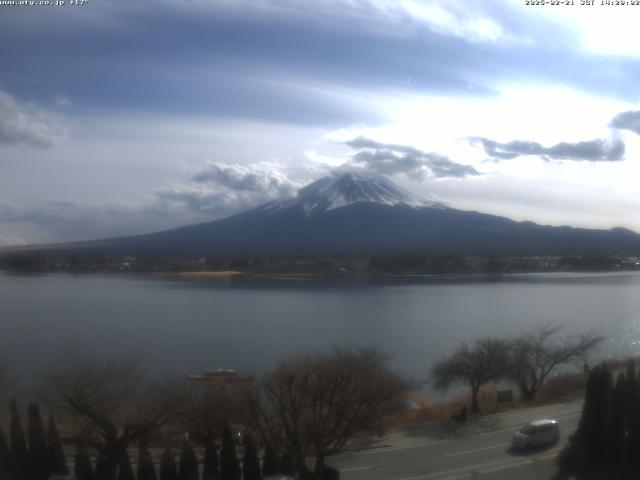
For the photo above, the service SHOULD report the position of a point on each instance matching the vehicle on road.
(536, 434)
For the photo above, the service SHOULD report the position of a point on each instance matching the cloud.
(627, 121)
(223, 189)
(391, 159)
(202, 198)
(259, 179)
(11, 214)
(598, 150)
(76, 221)
(11, 241)
(454, 18)
(23, 124)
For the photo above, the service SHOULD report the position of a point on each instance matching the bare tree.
(208, 405)
(536, 354)
(111, 404)
(313, 405)
(474, 366)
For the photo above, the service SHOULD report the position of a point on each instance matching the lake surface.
(185, 326)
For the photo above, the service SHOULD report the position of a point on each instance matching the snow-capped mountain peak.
(337, 191)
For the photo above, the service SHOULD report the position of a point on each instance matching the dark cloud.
(627, 121)
(244, 64)
(27, 125)
(11, 214)
(391, 159)
(598, 150)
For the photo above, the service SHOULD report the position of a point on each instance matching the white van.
(537, 434)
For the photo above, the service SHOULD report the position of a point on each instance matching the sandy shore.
(217, 274)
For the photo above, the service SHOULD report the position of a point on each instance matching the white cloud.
(11, 241)
(451, 19)
(258, 179)
(221, 189)
(26, 124)
(605, 29)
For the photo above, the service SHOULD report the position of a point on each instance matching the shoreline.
(227, 274)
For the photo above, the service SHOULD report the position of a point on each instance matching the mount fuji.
(360, 214)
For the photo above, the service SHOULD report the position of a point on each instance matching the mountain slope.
(365, 215)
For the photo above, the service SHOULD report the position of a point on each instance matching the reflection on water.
(191, 325)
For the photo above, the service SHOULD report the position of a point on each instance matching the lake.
(184, 326)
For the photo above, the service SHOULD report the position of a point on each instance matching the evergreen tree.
(168, 469)
(146, 470)
(250, 461)
(593, 443)
(229, 466)
(125, 471)
(588, 426)
(57, 460)
(210, 465)
(83, 468)
(287, 465)
(38, 452)
(188, 462)
(105, 468)
(5, 457)
(19, 451)
(602, 440)
(270, 461)
(618, 433)
(632, 417)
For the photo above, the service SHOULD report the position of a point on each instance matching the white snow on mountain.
(338, 191)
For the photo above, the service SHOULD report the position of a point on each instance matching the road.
(480, 449)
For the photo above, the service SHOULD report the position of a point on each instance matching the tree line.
(309, 408)
(526, 361)
(39, 455)
(606, 443)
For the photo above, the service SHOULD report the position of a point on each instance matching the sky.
(120, 118)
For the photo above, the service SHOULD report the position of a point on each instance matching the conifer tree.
(229, 466)
(57, 460)
(125, 471)
(146, 470)
(270, 461)
(287, 465)
(105, 468)
(587, 427)
(601, 442)
(250, 461)
(188, 462)
(618, 433)
(632, 414)
(168, 469)
(210, 464)
(19, 451)
(5, 456)
(83, 468)
(38, 452)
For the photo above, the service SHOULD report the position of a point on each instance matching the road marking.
(392, 449)
(465, 452)
(353, 469)
(478, 469)
(468, 469)
(524, 462)
(374, 451)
